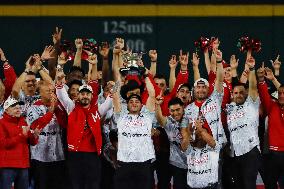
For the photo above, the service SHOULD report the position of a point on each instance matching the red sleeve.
(61, 116)
(42, 121)
(9, 142)
(211, 81)
(10, 78)
(95, 86)
(145, 94)
(182, 78)
(164, 106)
(264, 96)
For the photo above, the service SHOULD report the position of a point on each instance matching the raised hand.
(216, 44)
(48, 51)
(269, 74)
(261, 73)
(250, 62)
(195, 59)
(159, 99)
(153, 55)
(234, 63)
(37, 63)
(120, 43)
(78, 43)
(56, 37)
(2, 55)
(173, 62)
(183, 58)
(219, 56)
(276, 64)
(92, 59)
(62, 59)
(59, 76)
(53, 102)
(104, 50)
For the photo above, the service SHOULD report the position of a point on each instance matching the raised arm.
(173, 65)
(234, 65)
(153, 56)
(62, 94)
(150, 104)
(252, 79)
(183, 60)
(116, 100)
(78, 55)
(104, 52)
(207, 61)
(185, 141)
(270, 76)
(56, 38)
(276, 64)
(195, 64)
(162, 120)
(38, 68)
(219, 72)
(94, 71)
(263, 89)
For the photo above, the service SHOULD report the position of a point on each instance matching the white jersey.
(177, 156)
(211, 110)
(202, 166)
(134, 137)
(243, 121)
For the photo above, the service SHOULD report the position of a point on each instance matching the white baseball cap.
(201, 81)
(85, 87)
(9, 102)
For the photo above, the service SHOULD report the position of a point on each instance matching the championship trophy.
(131, 64)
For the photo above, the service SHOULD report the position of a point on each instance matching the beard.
(85, 101)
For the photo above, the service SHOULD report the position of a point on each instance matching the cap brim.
(85, 90)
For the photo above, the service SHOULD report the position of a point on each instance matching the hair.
(281, 86)
(239, 84)
(175, 101)
(43, 83)
(31, 73)
(76, 68)
(131, 85)
(76, 82)
(134, 96)
(184, 85)
(160, 76)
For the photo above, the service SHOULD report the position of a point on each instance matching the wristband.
(218, 62)
(155, 61)
(252, 68)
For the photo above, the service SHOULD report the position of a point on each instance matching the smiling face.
(239, 94)
(227, 74)
(85, 98)
(184, 94)
(14, 110)
(176, 111)
(201, 91)
(30, 84)
(134, 106)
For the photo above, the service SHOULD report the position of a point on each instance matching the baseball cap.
(10, 102)
(86, 88)
(201, 81)
(184, 85)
